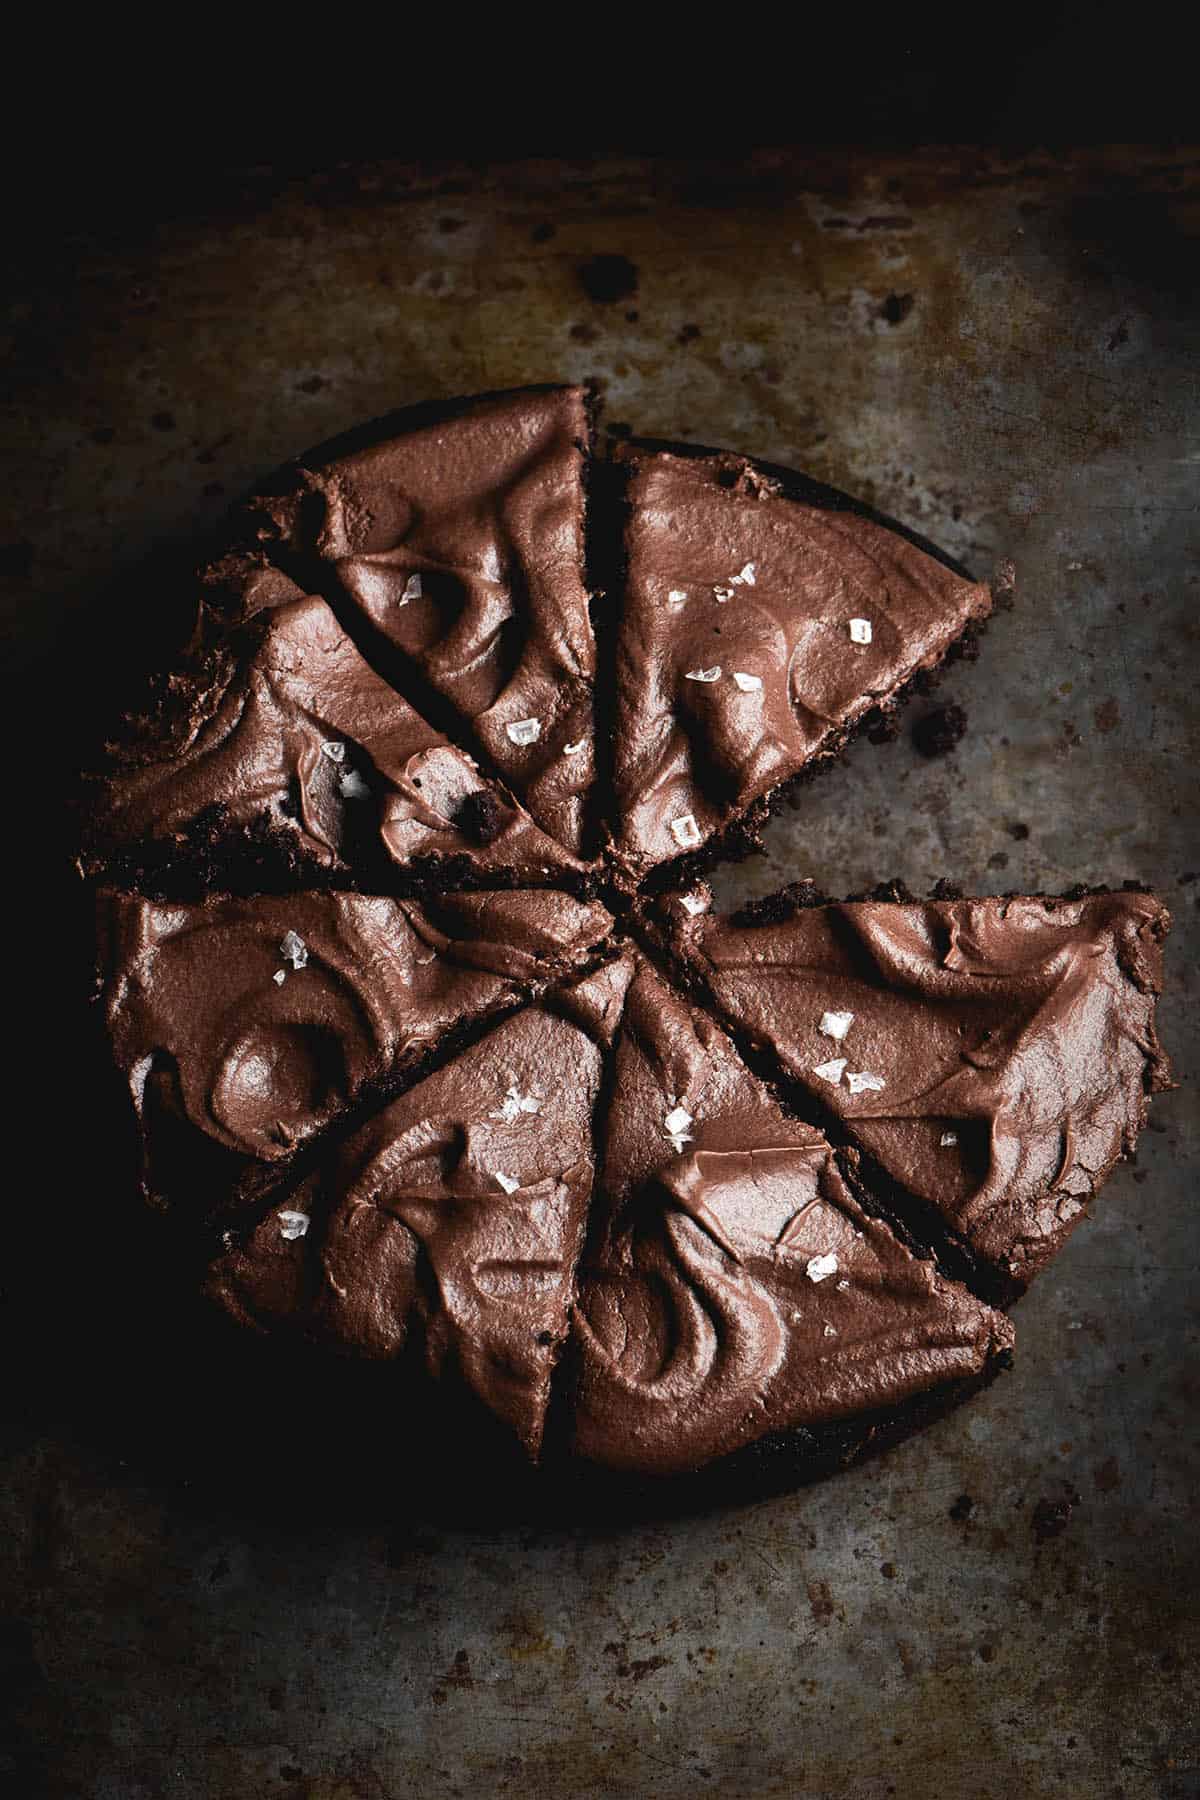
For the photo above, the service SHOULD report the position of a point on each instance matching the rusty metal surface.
(1004, 355)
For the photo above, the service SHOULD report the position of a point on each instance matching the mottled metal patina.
(1002, 354)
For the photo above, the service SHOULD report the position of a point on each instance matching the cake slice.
(734, 1293)
(454, 537)
(991, 1058)
(276, 751)
(757, 630)
(444, 1234)
(245, 1026)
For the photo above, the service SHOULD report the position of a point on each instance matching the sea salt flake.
(677, 1121)
(745, 576)
(704, 674)
(843, 1287)
(293, 1225)
(677, 596)
(836, 1024)
(721, 595)
(831, 1071)
(353, 786)
(524, 731)
(749, 684)
(514, 1104)
(947, 1138)
(818, 1267)
(685, 831)
(574, 749)
(335, 751)
(279, 977)
(860, 1083)
(829, 1331)
(413, 590)
(506, 1181)
(693, 903)
(293, 949)
(860, 631)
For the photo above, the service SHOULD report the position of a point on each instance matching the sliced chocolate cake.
(457, 542)
(446, 1231)
(652, 1192)
(992, 1059)
(244, 1027)
(756, 629)
(734, 1290)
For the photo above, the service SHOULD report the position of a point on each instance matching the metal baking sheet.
(1002, 353)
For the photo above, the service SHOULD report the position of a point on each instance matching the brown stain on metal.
(820, 1602)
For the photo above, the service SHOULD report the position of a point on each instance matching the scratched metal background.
(1003, 353)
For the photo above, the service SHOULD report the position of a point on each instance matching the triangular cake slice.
(278, 744)
(757, 629)
(446, 1231)
(245, 1026)
(458, 538)
(992, 1057)
(733, 1290)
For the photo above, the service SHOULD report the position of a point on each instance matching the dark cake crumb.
(896, 308)
(940, 731)
(776, 909)
(480, 817)
(608, 278)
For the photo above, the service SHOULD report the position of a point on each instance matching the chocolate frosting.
(281, 720)
(235, 1056)
(1012, 1041)
(707, 1322)
(461, 541)
(698, 1327)
(448, 1228)
(736, 663)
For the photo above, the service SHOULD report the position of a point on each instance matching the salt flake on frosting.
(685, 831)
(353, 786)
(676, 596)
(293, 1225)
(574, 749)
(693, 903)
(677, 1121)
(335, 751)
(947, 1139)
(722, 594)
(836, 1024)
(524, 731)
(279, 977)
(514, 1104)
(861, 1083)
(749, 684)
(713, 674)
(506, 1181)
(818, 1267)
(412, 590)
(860, 631)
(829, 1330)
(293, 949)
(744, 576)
(832, 1071)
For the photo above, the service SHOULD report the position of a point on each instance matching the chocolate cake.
(439, 1059)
